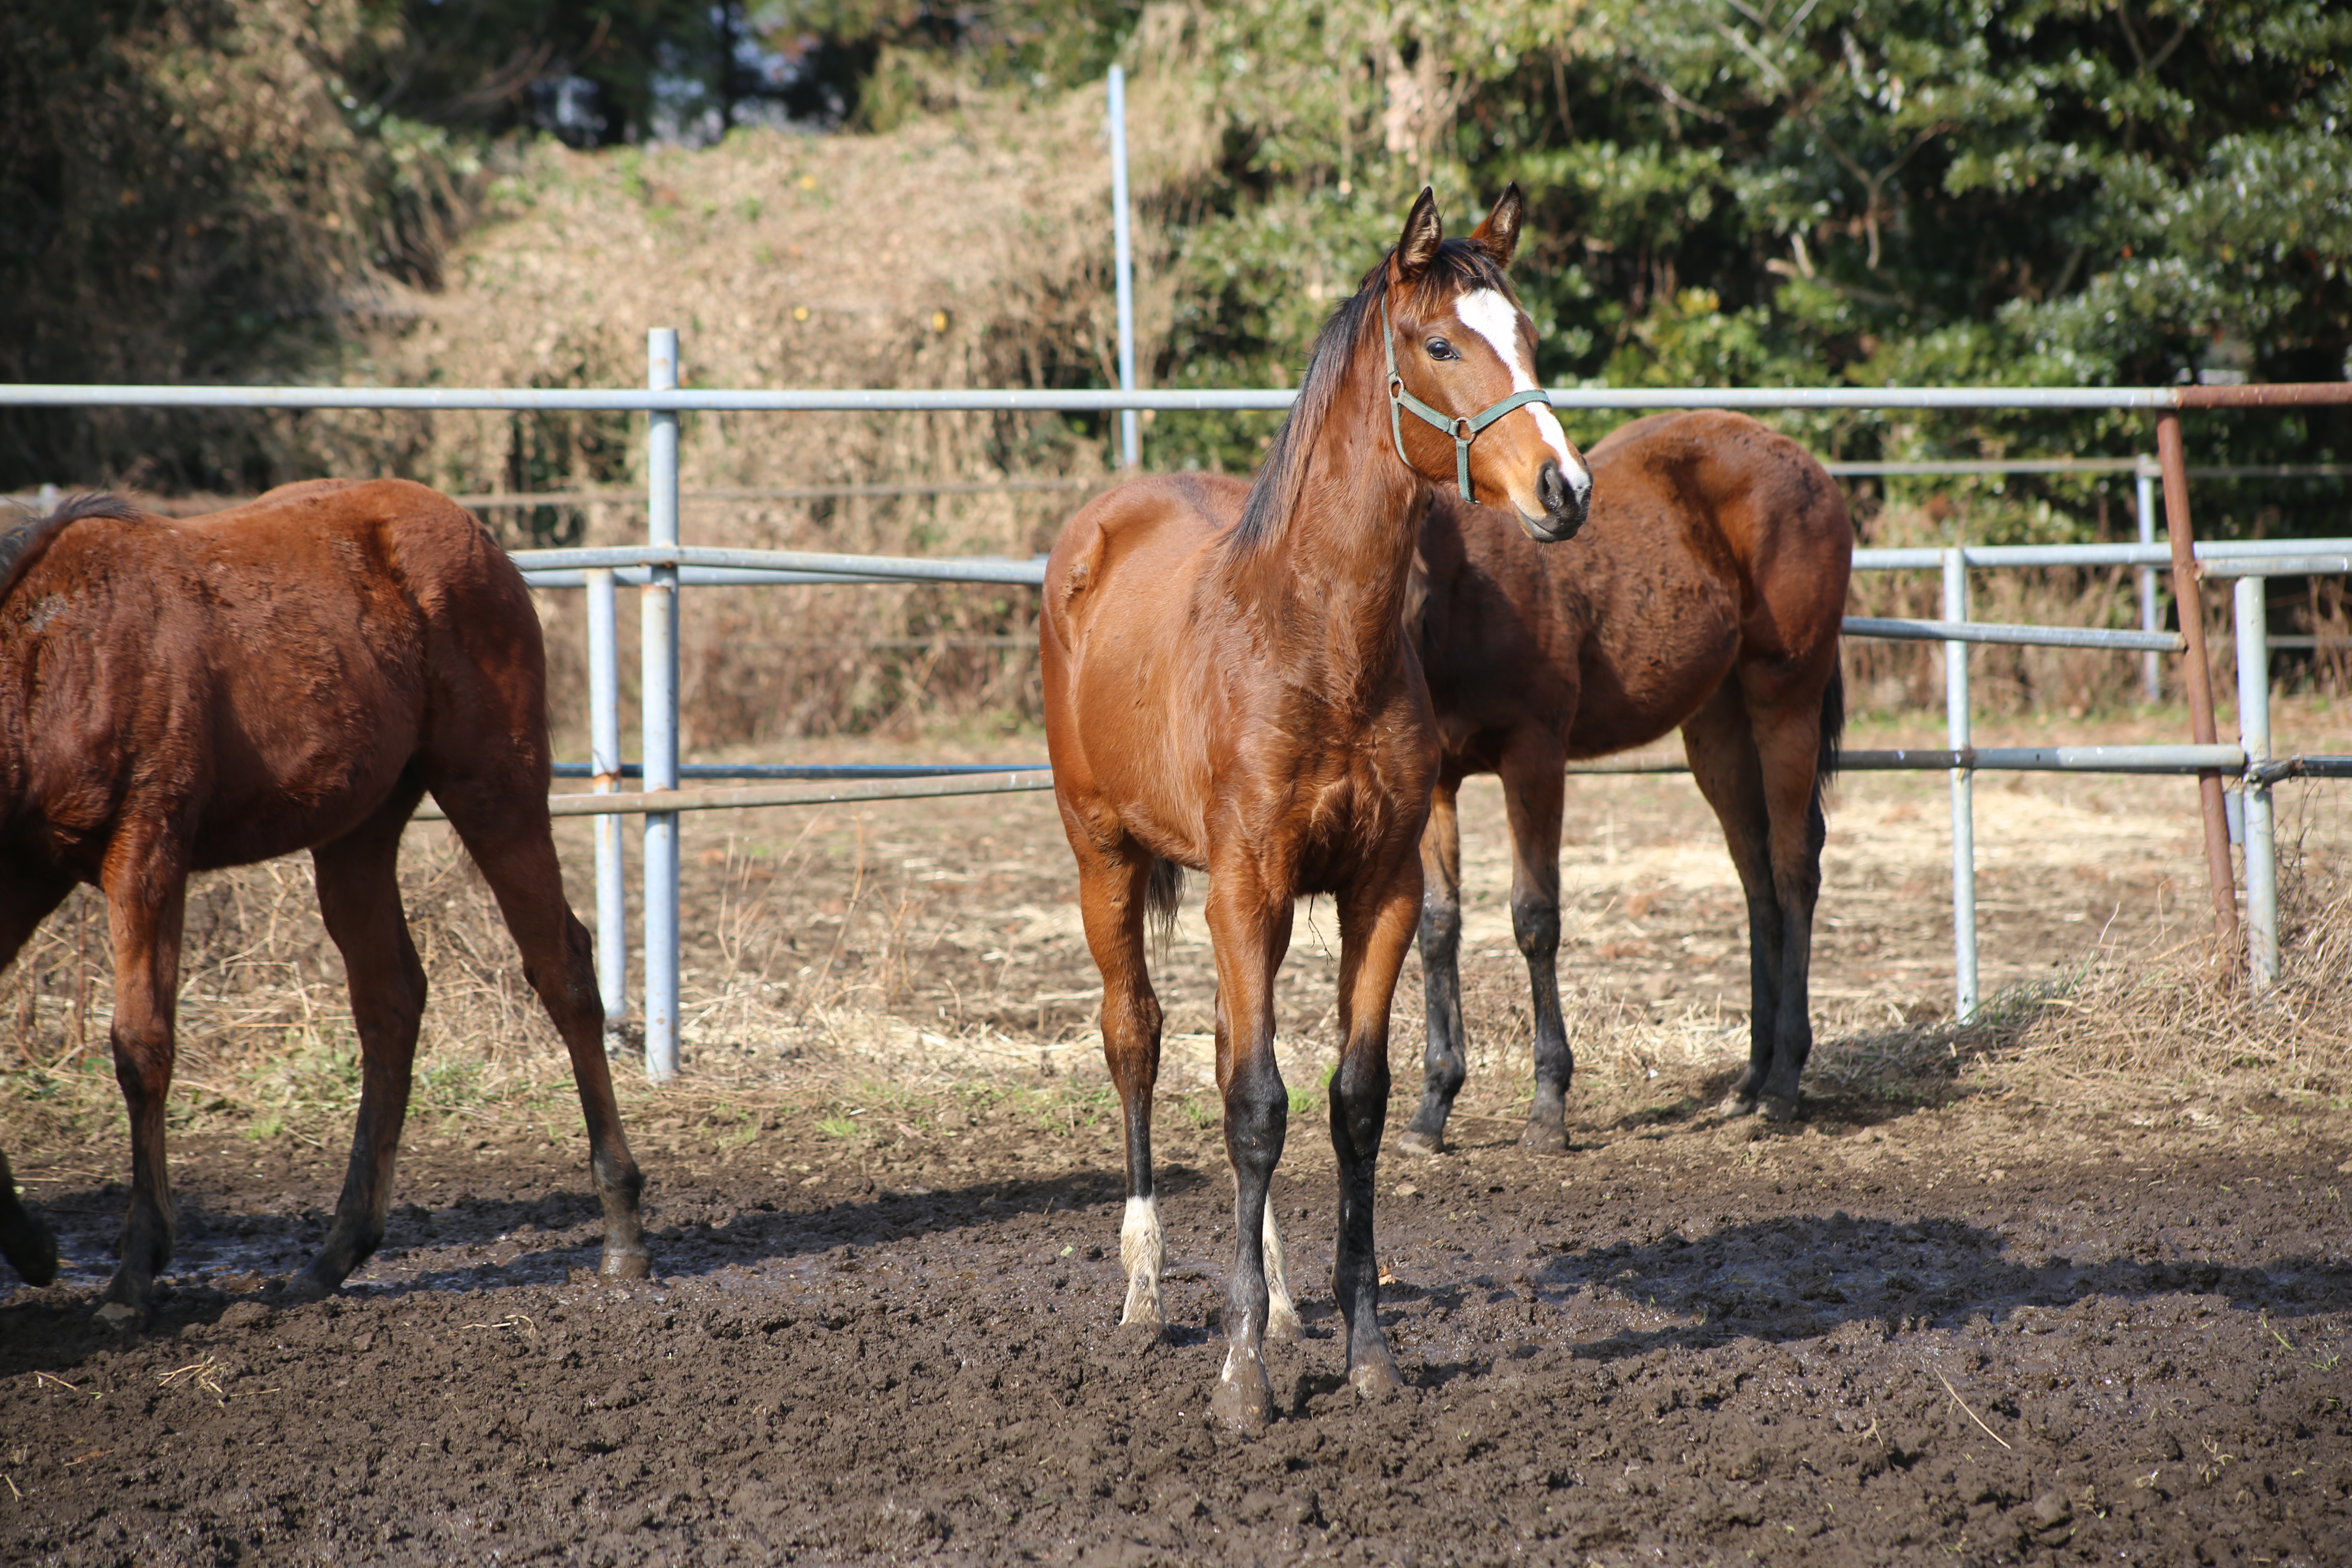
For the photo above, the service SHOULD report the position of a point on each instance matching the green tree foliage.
(1776, 193)
(190, 196)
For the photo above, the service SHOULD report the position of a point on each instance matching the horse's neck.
(1329, 589)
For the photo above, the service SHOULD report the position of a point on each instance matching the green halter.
(1464, 430)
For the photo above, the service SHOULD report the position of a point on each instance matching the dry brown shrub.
(968, 249)
(1897, 677)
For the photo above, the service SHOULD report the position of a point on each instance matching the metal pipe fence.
(664, 564)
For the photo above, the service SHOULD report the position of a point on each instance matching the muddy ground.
(1977, 1327)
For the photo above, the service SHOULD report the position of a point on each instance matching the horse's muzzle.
(1566, 505)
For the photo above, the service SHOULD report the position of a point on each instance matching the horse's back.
(1712, 538)
(265, 674)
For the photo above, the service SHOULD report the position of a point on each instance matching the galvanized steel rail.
(660, 567)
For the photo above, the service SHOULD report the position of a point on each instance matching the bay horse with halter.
(1229, 687)
(1706, 593)
(295, 673)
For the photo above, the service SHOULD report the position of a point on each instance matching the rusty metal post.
(2199, 683)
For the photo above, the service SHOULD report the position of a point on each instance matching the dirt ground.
(1976, 1327)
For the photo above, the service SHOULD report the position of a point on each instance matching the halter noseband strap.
(1464, 430)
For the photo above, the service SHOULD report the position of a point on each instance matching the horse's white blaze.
(1142, 1252)
(1490, 314)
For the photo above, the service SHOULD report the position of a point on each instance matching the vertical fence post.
(2254, 735)
(605, 762)
(1130, 435)
(2196, 680)
(1964, 822)
(2151, 671)
(659, 707)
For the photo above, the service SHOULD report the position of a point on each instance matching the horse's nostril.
(1551, 489)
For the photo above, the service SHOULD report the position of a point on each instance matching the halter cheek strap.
(1464, 430)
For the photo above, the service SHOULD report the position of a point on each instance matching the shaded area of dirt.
(1955, 1334)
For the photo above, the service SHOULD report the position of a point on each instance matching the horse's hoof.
(1737, 1104)
(1245, 1402)
(634, 1263)
(1413, 1140)
(121, 1318)
(1375, 1378)
(1778, 1111)
(1140, 1338)
(1282, 1324)
(307, 1286)
(1545, 1137)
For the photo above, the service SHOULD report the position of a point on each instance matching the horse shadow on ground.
(1806, 1277)
(223, 1256)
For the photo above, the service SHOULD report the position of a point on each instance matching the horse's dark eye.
(1440, 349)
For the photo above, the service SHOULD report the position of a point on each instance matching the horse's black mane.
(22, 546)
(1459, 267)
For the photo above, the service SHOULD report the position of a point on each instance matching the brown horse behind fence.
(1706, 592)
(1228, 687)
(291, 674)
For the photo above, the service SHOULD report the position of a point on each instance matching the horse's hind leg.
(1444, 1060)
(503, 822)
(1721, 745)
(26, 901)
(1111, 901)
(145, 878)
(1534, 777)
(358, 897)
(28, 1246)
(1787, 720)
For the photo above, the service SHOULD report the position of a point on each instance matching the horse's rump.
(21, 548)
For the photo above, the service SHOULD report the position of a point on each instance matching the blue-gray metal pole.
(1964, 822)
(604, 765)
(659, 707)
(2150, 612)
(2254, 735)
(1130, 435)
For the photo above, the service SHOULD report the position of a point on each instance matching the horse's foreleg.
(1251, 929)
(1721, 745)
(1111, 901)
(1533, 784)
(1446, 1059)
(28, 1245)
(504, 826)
(359, 897)
(1375, 930)
(145, 878)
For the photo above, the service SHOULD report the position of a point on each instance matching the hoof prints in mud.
(1670, 1346)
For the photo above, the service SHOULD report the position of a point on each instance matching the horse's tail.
(1161, 894)
(22, 547)
(1825, 760)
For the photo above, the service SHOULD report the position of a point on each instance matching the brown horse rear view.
(291, 674)
(1706, 592)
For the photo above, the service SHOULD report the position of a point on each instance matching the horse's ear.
(1417, 246)
(1499, 234)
